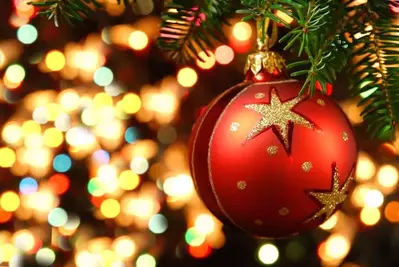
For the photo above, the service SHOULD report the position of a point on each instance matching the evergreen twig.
(186, 31)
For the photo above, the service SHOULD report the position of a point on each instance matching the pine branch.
(185, 31)
(319, 33)
(375, 73)
(70, 11)
(265, 9)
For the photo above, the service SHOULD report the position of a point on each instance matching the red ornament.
(270, 163)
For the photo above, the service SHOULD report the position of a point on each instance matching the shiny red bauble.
(269, 162)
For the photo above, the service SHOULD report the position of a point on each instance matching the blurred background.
(95, 122)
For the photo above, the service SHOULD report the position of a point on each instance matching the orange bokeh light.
(392, 212)
(200, 252)
(23, 9)
(10, 85)
(59, 183)
(5, 216)
(96, 201)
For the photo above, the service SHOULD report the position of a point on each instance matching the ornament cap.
(264, 64)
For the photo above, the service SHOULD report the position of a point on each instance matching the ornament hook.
(264, 40)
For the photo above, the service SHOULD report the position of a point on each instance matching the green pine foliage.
(187, 30)
(375, 72)
(328, 36)
(69, 11)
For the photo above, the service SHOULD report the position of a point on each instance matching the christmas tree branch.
(374, 73)
(188, 30)
(70, 11)
(320, 29)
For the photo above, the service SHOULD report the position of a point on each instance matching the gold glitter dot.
(321, 102)
(234, 126)
(284, 211)
(241, 185)
(345, 136)
(259, 95)
(306, 166)
(272, 150)
(258, 222)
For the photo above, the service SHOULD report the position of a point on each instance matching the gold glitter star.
(279, 115)
(332, 199)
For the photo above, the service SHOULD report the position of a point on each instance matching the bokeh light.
(57, 217)
(24, 240)
(9, 201)
(365, 168)
(69, 100)
(138, 40)
(15, 73)
(12, 133)
(52, 137)
(40, 115)
(124, 247)
(187, 77)
(62, 163)
(337, 246)
(139, 165)
(392, 211)
(59, 183)
(129, 180)
(224, 54)
(370, 216)
(27, 34)
(268, 254)
(7, 157)
(131, 103)
(242, 31)
(146, 260)
(45, 257)
(205, 224)
(7, 252)
(84, 258)
(103, 76)
(131, 135)
(55, 60)
(110, 208)
(200, 252)
(194, 238)
(374, 198)
(28, 186)
(158, 224)
(5, 216)
(101, 157)
(95, 188)
(330, 223)
(208, 60)
(387, 176)
(178, 186)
